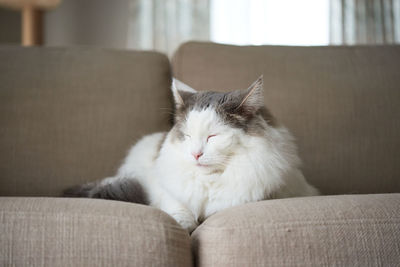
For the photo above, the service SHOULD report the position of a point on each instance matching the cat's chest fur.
(191, 185)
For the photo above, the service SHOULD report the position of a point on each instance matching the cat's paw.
(187, 221)
(79, 190)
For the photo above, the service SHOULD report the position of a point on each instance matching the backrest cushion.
(341, 103)
(69, 116)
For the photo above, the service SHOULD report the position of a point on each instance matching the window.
(283, 22)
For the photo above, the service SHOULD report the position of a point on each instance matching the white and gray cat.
(225, 149)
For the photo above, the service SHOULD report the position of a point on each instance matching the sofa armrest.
(88, 232)
(350, 230)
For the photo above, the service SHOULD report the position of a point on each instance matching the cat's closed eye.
(210, 136)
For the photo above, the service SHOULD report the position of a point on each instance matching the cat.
(225, 149)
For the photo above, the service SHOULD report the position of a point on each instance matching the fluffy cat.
(225, 149)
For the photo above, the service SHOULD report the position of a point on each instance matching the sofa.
(69, 116)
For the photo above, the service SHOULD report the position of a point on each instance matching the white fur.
(236, 168)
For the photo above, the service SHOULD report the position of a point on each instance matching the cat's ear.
(253, 97)
(181, 92)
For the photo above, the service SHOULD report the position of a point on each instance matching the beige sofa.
(68, 115)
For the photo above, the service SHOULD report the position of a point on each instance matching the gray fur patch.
(228, 106)
(128, 190)
(176, 132)
(159, 145)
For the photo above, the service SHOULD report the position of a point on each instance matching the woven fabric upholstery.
(88, 232)
(353, 230)
(69, 115)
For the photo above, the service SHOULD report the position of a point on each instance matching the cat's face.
(207, 140)
(210, 127)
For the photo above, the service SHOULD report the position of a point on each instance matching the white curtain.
(365, 21)
(163, 25)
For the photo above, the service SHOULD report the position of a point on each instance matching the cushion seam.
(307, 223)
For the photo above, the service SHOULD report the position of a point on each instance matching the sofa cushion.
(88, 232)
(352, 230)
(341, 103)
(69, 115)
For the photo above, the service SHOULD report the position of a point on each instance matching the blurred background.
(162, 25)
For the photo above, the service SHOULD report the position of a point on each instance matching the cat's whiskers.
(168, 111)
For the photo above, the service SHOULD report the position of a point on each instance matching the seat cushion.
(341, 103)
(88, 232)
(348, 230)
(69, 115)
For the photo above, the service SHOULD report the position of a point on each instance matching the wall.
(89, 22)
(10, 26)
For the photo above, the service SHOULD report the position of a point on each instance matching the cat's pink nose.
(197, 155)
